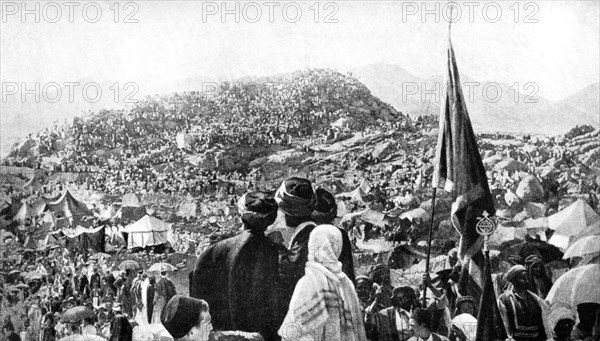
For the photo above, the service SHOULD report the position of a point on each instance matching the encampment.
(147, 231)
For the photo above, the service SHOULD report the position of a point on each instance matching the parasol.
(21, 286)
(546, 251)
(584, 246)
(14, 272)
(160, 267)
(76, 314)
(576, 286)
(129, 265)
(33, 275)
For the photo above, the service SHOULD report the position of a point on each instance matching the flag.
(459, 171)
(489, 322)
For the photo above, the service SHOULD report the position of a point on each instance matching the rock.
(511, 199)
(382, 150)
(530, 189)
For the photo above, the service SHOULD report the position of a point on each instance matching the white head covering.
(467, 324)
(325, 247)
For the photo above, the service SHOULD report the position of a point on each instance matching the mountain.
(54, 106)
(493, 106)
(586, 100)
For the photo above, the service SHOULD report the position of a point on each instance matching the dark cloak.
(238, 277)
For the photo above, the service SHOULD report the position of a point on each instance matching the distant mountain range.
(493, 106)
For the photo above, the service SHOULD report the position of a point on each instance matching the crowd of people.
(284, 282)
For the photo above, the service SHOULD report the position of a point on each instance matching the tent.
(357, 195)
(25, 211)
(147, 231)
(69, 207)
(575, 221)
(82, 240)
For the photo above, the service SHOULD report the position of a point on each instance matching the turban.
(181, 314)
(560, 313)
(532, 259)
(296, 197)
(258, 210)
(510, 274)
(326, 209)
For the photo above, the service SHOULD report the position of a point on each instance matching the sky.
(555, 44)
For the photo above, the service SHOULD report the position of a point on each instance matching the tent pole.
(429, 247)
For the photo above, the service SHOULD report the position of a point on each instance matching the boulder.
(530, 189)
(512, 199)
(382, 150)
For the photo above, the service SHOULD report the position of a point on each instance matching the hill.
(252, 114)
(493, 106)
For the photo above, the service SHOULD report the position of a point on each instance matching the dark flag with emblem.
(459, 171)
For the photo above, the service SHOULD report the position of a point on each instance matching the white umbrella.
(584, 246)
(576, 286)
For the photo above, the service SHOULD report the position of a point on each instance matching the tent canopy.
(574, 220)
(147, 231)
(68, 206)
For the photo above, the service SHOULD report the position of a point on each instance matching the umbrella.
(129, 265)
(33, 275)
(584, 246)
(547, 252)
(100, 255)
(21, 286)
(14, 272)
(76, 314)
(576, 286)
(160, 267)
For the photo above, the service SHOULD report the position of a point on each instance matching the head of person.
(381, 274)
(258, 211)
(108, 305)
(276, 237)
(453, 257)
(517, 275)
(325, 246)
(420, 323)
(183, 317)
(587, 313)
(561, 321)
(364, 285)
(465, 305)
(121, 328)
(326, 208)
(297, 200)
(403, 298)
(535, 265)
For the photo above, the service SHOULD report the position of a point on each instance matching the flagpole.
(429, 247)
(433, 199)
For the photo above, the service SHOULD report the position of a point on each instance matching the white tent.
(147, 231)
(575, 221)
